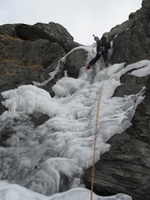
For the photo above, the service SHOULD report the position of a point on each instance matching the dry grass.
(35, 67)
(14, 61)
(11, 38)
(10, 74)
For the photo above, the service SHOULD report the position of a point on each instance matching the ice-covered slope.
(42, 158)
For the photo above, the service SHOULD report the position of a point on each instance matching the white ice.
(38, 158)
(16, 192)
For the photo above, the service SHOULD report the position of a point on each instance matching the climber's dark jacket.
(103, 45)
(102, 49)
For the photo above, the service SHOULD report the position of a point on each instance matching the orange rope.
(95, 135)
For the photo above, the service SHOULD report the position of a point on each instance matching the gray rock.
(38, 52)
(131, 39)
(146, 4)
(53, 32)
(125, 168)
(74, 61)
(8, 29)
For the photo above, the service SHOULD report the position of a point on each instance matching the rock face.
(37, 44)
(120, 169)
(29, 53)
(146, 3)
(39, 52)
(133, 37)
(52, 32)
(74, 61)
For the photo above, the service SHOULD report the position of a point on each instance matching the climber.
(102, 46)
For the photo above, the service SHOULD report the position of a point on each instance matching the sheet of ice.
(145, 71)
(16, 192)
(141, 64)
(28, 99)
(62, 147)
(66, 86)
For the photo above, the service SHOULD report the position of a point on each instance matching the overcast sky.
(82, 18)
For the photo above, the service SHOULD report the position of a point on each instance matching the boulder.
(74, 61)
(8, 29)
(131, 40)
(38, 52)
(53, 32)
(124, 169)
(146, 4)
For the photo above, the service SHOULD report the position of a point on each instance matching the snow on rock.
(145, 71)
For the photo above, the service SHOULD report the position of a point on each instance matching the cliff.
(30, 52)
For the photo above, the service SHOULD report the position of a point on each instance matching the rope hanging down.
(95, 134)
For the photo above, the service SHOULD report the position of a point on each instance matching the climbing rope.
(95, 134)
